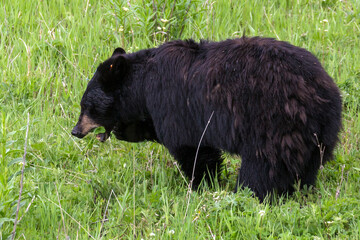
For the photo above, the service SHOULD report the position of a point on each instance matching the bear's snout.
(77, 132)
(84, 126)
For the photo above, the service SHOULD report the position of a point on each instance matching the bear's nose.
(76, 132)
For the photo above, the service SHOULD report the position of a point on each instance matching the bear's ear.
(113, 70)
(119, 66)
(118, 51)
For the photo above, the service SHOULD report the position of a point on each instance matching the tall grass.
(81, 189)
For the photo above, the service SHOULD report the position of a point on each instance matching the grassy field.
(82, 189)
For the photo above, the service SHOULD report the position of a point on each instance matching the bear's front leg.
(208, 163)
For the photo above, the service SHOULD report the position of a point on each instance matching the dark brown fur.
(269, 100)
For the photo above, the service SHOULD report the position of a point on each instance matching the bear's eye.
(95, 110)
(92, 111)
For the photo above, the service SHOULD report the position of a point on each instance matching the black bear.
(270, 102)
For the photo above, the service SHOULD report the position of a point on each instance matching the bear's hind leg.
(263, 178)
(311, 169)
(208, 163)
(316, 160)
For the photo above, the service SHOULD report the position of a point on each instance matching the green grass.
(49, 50)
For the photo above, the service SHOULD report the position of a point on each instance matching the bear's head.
(98, 101)
(109, 101)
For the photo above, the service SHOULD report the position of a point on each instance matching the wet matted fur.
(273, 105)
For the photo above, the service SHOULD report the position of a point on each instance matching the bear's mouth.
(102, 137)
